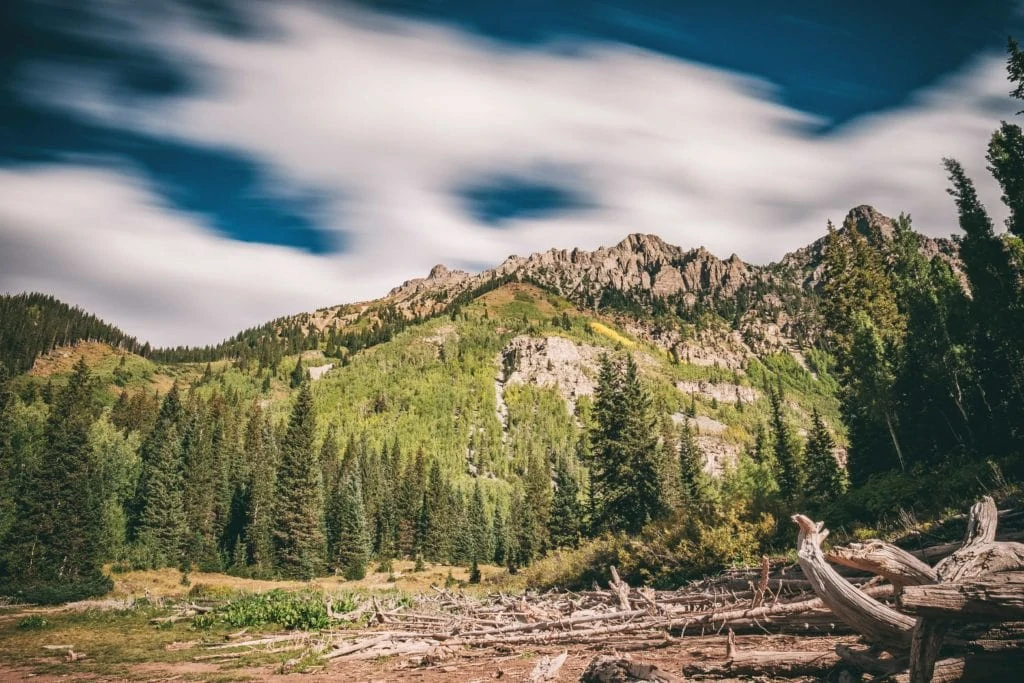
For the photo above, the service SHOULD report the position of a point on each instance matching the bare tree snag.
(621, 589)
(896, 565)
(867, 616)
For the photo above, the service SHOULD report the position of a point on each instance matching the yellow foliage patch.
(612, 334)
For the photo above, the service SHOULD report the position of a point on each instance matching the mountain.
(708, 333)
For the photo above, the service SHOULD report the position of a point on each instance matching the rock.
(614, 669)
(721, 392)
(550, 361)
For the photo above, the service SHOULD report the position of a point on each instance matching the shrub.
(33, 622)
(54, 593)
(303, 610)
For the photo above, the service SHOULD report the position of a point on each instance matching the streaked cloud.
(391, 120)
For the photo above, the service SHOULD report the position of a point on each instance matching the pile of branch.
(982, 581)
(765, 600)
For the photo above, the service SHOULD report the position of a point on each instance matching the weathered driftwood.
(547, 668)
(980, 554)
(867, 616)
(621, 589)
(1000, 598)
(896, 565)
(951, 592)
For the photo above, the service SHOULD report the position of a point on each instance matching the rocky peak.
(870, 223)
(438, 271)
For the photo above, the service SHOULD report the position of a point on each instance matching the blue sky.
(189, 168)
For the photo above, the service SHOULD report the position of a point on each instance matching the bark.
(896, 565)
(979, 554)
(1000, 598)
(867, 616)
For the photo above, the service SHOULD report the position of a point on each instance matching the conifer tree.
(299, 540)
(199, 487)
(434, 521)
(262, 489)
(825, 481)
(566, 511)
(997, 317)
(626, 471)
(7, 460)
(413, 483)
(691, 465)
(500, 533)
(352, 550)
(298, 374)
(162, 522)
(479, 528)
(59, 525)
(787, 454)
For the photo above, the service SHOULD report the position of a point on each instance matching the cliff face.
(771, 307)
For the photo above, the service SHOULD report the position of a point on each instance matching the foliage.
(303, 611)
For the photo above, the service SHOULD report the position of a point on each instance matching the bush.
(55, 593)
(304, 611)
(33, 622)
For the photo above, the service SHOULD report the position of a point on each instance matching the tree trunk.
(867, 616)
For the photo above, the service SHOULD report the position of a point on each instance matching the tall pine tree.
(299, 540)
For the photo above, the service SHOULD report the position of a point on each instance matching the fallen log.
(979, 554)
(867, 616)
(759, 663)
(999, 598)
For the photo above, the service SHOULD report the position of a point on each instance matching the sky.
(189, 168)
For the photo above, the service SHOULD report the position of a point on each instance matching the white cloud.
(388, 117)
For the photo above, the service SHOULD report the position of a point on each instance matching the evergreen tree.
(997, 318)
(162, 523)
(434, 520)
(299, 540)
(500, 533)
(259, 523)
(352, 550)
(479, 528)
(566, 511)
(59, 525)
(787, 454)
(626, 475)
(691, 465)
(298, 374)
(825, 481)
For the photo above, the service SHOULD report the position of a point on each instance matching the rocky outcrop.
(550, 361)
(722, 392)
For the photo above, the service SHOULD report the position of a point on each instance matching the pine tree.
(626, 473)
(500, 534)
(299, 540)
(566, 511)
(298, 374)
(413, 483)
(434, 528)
(259, 523)
(162, 521)
(787, 454)
(59, 526)
(997, 317)
(479, 528)
(352, 550)
(691, 465)
(825, 481)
